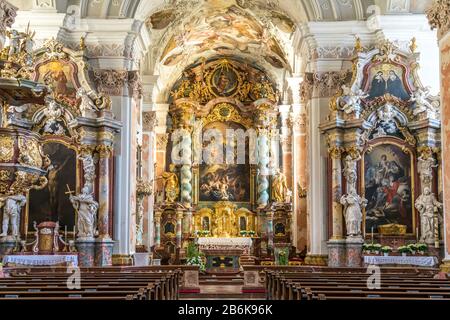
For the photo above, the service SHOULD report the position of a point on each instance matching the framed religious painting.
(220, 180)
(60, 76)
(388, 184)
(52, 202)
(387, 78)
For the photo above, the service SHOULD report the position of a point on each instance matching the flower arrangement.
(251, 233)
(202, 233)
(421, 247)
(283, 258)
(373, 248)
(194, 257)
(404, 250)
(386, 250)
(412, 247)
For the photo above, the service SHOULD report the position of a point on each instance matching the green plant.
(376, 247)
(422, 247)
(386, 249)
(412, 247)
(194, 257)
(367, 246)
(404, 249)
(283, 259)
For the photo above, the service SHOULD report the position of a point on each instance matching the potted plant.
(367, 247)
(376, 248)
(412, 247)
(404, 250)
(194, 257)
(243, 233)
(283, 259)
(386, 250)
(421, 247)
(251, 233)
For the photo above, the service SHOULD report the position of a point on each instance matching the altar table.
(421, 261)
(41, 260)
(222, 254)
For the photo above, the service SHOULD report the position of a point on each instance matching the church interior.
(224, 149)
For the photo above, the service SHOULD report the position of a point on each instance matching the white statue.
(14, 42)
(427, 204)
(425, 168)
(88, 168)
(11, 213)
(86, 208)
(422, 104)
(86, 103)
(351, 100)
(350, 171)
(353, 203)
(53, 112)
(386, 114)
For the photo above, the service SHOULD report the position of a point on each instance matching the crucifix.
(69, 192)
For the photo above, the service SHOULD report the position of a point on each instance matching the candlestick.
(372, 234)
(74, 232)
(417, 234)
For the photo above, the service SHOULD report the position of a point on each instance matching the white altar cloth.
(41, 260)
(410, 260)
(212, 243)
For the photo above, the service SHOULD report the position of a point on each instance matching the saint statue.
(279, 187)
(11, 214)
(86, 208)
(352, 203)
(427, 204)
(171, 186)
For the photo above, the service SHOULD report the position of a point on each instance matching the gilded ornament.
(6, 148)
(335, 152)
(4, 175)
(104, 150)
(226, 112)
(30, 153)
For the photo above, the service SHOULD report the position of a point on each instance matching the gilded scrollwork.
(224, 78)
(30, 153)
(6, 148)
(226, 112)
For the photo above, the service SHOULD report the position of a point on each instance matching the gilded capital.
(104, 150)
(438, 16)
(335, 152)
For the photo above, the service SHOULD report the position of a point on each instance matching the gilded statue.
(279, 187)
(171, 185)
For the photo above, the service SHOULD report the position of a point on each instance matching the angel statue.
(279, 187)
(86, 103)
(350, 102)
(171, 186)
(421, 103)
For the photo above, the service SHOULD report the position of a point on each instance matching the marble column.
(269, 219)
(438, 15)
(158, 228)
(179, 231)
(336, 244)
(104, 195)
(104, 243)
(263, 172)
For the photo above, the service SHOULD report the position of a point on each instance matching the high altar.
(217, 188)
